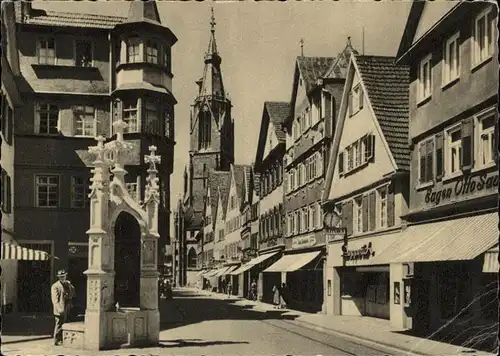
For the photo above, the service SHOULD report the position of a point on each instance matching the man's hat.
(61, 273)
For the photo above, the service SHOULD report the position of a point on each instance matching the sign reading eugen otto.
(466, 186)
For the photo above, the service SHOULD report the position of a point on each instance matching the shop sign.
(365, 252)
(303, 241)
(464, 186)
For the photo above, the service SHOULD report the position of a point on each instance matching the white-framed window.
(425, 78)
(358, 153)
(453, 150)
(357, 98)
(358, 214)
(79, 192)
(382, 207)
(83, 53)
(47, 191)
(293, 183)
(130, 116)
(152, 52)
(350, 158)
(307, 225)
(298, 221)
(133, 50)
(46, 48)
(47, 119)
(451, 59)
(426, 161)
(84, 119)
(319, 216)
(486, 137)
(484, 33)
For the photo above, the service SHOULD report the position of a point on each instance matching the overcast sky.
(258, 43)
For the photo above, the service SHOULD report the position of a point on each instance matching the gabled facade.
(367, 185)
(79, 73)
(453, 138)
(316, 92)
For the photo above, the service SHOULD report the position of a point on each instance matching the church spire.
(212, 77)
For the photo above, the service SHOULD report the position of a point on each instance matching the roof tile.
(72, 19)
(387, 86)
(313, 68)
(278, 112)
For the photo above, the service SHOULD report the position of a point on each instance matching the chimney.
(22, 10)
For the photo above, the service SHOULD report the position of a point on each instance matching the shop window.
(454, 291)
(83, 53)
(488, 296)
(352, 284)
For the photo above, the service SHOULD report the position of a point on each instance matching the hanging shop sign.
(466, 185)
(303, 241)
(365, 252)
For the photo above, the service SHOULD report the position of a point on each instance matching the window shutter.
(422, 156)
(2, 109)
(439, 156)
(430, 162)
(4, 190)
(372, 210)
(361, 98)
(8, 195)
(319, 216)
(350, 104)
(390, 206)
(347, 217)
(495, 149)
(365, 213)
(328, 106)
(467, 160)
(321, 167)
(10, 123)
(341, 163)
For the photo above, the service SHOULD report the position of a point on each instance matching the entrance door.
(76, 267)
(127, 260)
(34, 282)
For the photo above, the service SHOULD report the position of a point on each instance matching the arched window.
(204, 138)
(192, 258)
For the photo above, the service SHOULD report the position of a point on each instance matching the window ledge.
(453, 176)
(450, 83)
(425, 185)
(482, 168)
(481, 63)
(424, 100)
(62, 66)
(354, 170)
(143, 64)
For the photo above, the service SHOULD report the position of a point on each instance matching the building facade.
(366, 189)
(454, 168)
(211, 148)
(78, 75)
(317, 87)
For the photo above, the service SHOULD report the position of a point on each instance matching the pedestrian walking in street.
(283, 296)
(276, 297)
(62, 292)
(229, 289)
(253, 290)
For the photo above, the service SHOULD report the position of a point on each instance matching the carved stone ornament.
(93, 294)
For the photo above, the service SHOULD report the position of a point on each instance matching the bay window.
(133, 50)
(46, 48)
(84, 120)
(130, 116)
(152, 52)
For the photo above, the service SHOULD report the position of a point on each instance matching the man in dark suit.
(62, 292)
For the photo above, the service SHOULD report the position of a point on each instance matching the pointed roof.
(275, 112)
(218, 183)
(143, 11)
(387, 88)
(211, 82)
(341, 63)
(240, 171)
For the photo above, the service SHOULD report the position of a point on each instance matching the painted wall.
(355, 127)
(475, 84)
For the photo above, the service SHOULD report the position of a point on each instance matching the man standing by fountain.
(62, 292)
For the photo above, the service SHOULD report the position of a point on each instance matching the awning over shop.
(253, 262)
(16, 252)
(450, 240)
(490, 264)
(290, 263)
(211, 273)
(221, 271)
(229, 270)
(200, 273)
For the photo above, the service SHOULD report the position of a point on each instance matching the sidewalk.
(364, 329)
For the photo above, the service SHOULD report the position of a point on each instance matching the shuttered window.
(390, 206)
(467, 144)
(341, 163)
(347, 216)
(365, 215)
(426, 155)
(372, 211)
(439, 156)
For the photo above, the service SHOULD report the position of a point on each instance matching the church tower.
(212, 130)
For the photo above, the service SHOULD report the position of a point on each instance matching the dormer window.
(133, 55)
(46, 51)
(152, 53)
(83, 53)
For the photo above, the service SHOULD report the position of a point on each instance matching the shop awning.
(290, 263)
(230, 269)
(490, 264)
(200, 273)
(16, 252)
(451, 240)
(211, 273)
(221, 271)
(253, 262)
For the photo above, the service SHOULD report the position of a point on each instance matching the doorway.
(127, 260)
(34, 282)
